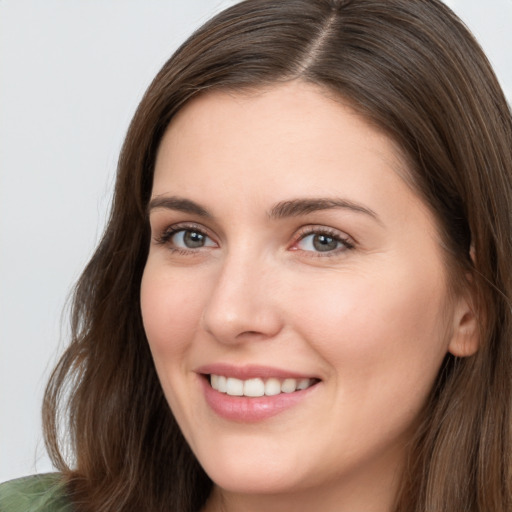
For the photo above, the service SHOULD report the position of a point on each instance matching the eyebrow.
(297, 207)
(283, 209)
(179, 204)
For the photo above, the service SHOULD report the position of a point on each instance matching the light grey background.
(71, 75)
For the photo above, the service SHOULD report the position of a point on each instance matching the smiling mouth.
(257, 387)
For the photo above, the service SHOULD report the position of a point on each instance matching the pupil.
(324, 243)
(193, 239)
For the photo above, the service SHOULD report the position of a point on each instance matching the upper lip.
(250, 372)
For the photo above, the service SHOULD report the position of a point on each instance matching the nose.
(243, 303)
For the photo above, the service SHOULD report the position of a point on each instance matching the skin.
(371, 318)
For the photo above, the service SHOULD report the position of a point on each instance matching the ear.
(465, 339)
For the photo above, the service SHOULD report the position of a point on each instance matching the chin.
(251, 481)
(254, 471)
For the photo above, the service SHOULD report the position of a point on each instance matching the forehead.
(297, 130)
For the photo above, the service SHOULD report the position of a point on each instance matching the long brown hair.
(412, 69)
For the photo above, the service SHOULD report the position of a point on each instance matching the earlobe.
(465, 339)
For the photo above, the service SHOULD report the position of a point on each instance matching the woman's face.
(292, 265)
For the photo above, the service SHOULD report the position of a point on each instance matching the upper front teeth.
(257, 387)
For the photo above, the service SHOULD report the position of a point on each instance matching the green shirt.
(38, 493)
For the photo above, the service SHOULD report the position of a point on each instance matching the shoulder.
(38, 493)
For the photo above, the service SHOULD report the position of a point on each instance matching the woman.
(302, 298)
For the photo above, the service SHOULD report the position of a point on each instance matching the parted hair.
(410, 68)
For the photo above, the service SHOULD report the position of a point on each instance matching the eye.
(323, 242)
(190, 239)
(185, 238)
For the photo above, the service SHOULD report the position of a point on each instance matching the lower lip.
(247, 409)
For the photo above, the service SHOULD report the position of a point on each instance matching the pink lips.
(247, 409)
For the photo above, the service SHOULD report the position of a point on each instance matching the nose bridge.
(241, 304)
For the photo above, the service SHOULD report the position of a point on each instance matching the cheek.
(383, 331)
(171, 309)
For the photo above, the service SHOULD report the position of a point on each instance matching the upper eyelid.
(319, 229)
(185, 226)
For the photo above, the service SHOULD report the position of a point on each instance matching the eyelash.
(165, 237)
(347, 243)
